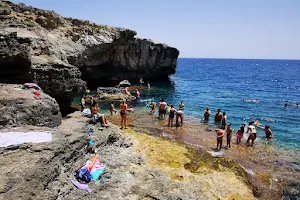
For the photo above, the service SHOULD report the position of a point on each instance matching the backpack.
(84, 175)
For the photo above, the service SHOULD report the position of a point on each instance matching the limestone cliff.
(63, 54)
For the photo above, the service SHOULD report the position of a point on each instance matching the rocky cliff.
(62, 54)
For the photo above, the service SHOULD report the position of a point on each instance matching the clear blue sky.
(198, 28)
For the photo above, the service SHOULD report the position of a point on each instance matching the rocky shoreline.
(45, 170)
(65, 55)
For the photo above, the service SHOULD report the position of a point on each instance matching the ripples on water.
(224, 83)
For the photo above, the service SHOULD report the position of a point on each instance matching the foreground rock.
(138, 167)
(62, 54)
(20, 106)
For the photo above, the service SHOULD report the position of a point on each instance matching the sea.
(225, 83)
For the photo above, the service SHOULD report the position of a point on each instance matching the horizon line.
(241, 58)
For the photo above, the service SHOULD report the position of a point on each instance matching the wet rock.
(124, 83)
(292, 191)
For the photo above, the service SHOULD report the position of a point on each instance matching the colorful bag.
(84, 175)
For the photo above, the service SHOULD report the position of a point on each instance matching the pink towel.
(98, 165)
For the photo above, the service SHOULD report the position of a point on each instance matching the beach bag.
(84, 175)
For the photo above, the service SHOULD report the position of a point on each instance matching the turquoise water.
(224, 83)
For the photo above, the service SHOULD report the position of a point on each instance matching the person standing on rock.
(220, 134)
(149, 87)
(228, 134)
(82, 102)
(123, 110)
(138, 95)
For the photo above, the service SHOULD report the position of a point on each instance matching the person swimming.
(181, 106)
(251, 100)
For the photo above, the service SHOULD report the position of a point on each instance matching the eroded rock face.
(20, 106)
(62, 54)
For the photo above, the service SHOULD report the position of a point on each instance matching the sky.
(198, 28)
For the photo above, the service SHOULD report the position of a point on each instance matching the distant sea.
(224, 83)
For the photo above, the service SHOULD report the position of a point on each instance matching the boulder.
(19, 106)
(124, 83)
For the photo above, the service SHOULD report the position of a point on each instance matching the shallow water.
(224, 83)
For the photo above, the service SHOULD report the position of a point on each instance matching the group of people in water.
(222, 127)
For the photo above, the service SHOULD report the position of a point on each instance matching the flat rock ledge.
(20, 106)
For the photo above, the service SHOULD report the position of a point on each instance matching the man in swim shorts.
(218, 117)
(123, 109)
(206, 114)
(220, 134)
(162, 108)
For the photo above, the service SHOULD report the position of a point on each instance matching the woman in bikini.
(123, 109)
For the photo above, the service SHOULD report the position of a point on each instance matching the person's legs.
(228, 141)
(218, 142)
(248, 139)
(125, 119)
(221, 142)
(169, 121)
(181, 119)
(122, 119)
(177, 120)
(172, 121)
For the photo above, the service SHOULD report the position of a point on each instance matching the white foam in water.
(216, 153)
(15, 138)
